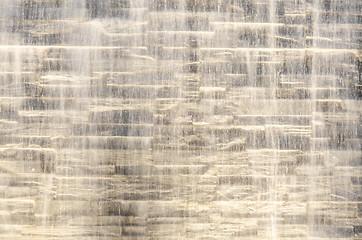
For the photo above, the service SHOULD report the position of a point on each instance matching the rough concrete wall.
(187, 119)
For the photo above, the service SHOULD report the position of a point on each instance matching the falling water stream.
(181, 119)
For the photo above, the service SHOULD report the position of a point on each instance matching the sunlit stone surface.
(181, 119)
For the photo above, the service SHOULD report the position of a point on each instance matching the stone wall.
(181, 119)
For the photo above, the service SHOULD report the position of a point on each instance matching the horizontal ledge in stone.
(161, 170)
(68, 232)
(251, 24)
(112, 129)
(274, 118)
(103, 142)
(82, 47)
(83, 142)
(182, 32)
(317, 50)
(6, 204)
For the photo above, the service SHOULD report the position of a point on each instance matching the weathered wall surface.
(180, 119)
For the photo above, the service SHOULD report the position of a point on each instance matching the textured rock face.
(180, 119)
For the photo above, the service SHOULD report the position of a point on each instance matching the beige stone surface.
(180, 119)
